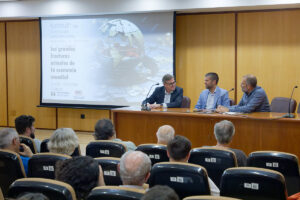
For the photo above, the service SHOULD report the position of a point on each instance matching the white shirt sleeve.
(214, 190)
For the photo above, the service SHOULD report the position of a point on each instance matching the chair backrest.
(42, 165)
(1, 195)
(11, 169)
(253, 183)
(51, 188)
(44, 148)
(186, 179)
(110, 170)
(29, 142)
(281, 105)
(214, 160)
(156, 152)
(186, 102)
(105, 148)
(204, 197)
(285, 163)
(231, 102)
(115, 193)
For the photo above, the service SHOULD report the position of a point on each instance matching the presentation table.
(253, 132)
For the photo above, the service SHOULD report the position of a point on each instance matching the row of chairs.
(186, 179)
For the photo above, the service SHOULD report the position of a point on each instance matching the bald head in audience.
(134, 168)
(164, 134)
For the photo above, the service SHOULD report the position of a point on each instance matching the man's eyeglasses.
(170, 84)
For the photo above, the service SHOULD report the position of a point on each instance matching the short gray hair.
(167, 77)
(6, 137)
(165, 133)
(134, 167)
(224, 131)
(250, 80)
(63, 141)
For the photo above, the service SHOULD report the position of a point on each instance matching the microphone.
(144, 104)
(289, 114)
(223, 95)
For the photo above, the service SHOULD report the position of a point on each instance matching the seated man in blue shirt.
(254, 99)
(168, 95)
(212, 96)
(9, 140)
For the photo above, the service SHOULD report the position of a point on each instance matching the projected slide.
(105, 60)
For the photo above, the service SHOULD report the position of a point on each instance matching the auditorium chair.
(156, 152)
(186, 102)
(110, 170)
(11, 169)
(251, 183)
(115, 193)
(29, 142)
(285, 163)
(204, 197)
(1, 195)
(214, 160)
(42, 165)
(44, 148)
(186, 179)
(105, 148)
(281, 105)
(53, 189)
(231, 102)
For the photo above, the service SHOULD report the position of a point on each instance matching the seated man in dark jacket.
(168, 95)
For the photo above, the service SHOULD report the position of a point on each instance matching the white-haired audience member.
(105, 130)
(134, 169)
(63, 141)
(224, 131)
(178, 150)
(9, 140)
(164, 134)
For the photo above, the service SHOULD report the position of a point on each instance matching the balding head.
(135, 168)
(9, 139)
(164, 134)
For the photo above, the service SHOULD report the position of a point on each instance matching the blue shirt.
(220, 98)
(25, 163)
(255, 101)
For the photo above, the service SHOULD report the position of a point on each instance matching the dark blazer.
(158, 96)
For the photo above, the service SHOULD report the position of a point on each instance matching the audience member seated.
(63, 141)
(9, 140)
(179, 149)
(164, 134)
(33, 196)
(134, 169)
(83, 173)
(224, 131)
(25, 126)
(160, 192)
(105, 130)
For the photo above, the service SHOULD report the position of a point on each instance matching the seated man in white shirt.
(179, 149)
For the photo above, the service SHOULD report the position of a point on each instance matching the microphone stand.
(289, 114)
(144, 105)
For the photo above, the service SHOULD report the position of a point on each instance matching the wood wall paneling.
(3, 83)
(204, 43)
(269, 47)
(68, 117)
(23, 66)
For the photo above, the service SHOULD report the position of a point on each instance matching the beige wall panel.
(269, 47)
(23, 66)
(68, 117)
(3, 83)
(204, 43)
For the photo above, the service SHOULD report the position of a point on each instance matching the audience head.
(25, 125)
(81, 172)
(104, 130)
(224, 131)
(164, 134)
(211, 80)
(63, 141)
(179, 149)
(33, 196)
(9, 140)
(160, 192)
(249, 82)
(134, 168)
(169, 82)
